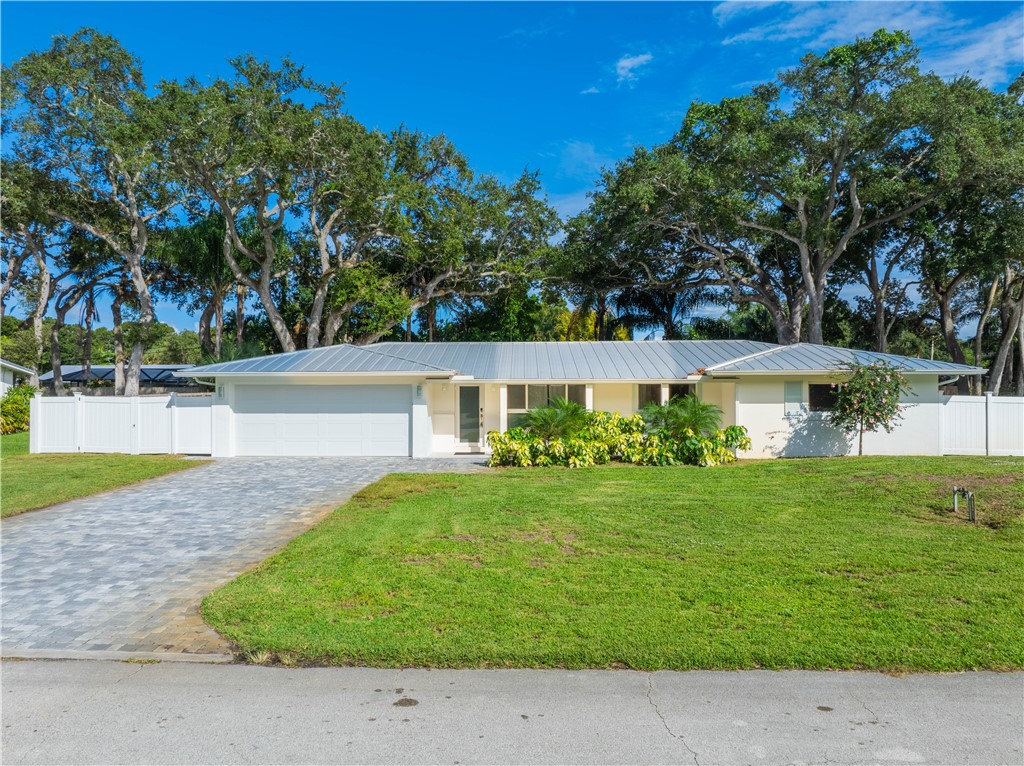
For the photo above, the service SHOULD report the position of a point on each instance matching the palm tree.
(561, 419)
(654, 308)
(680, 415)
(197, 254)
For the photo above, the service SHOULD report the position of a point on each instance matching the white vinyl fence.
(982, 425)
(135, 425)
(175, 424)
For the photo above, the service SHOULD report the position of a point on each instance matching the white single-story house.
(423, 399)
(12, 374)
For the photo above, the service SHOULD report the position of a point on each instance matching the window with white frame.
(521, 398)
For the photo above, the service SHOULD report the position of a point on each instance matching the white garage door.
(322, 420)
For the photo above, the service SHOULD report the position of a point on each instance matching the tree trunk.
(90, 308)
(1018, 388)
(239, 314)
(38, 312)
(55, 360)
(431, 310)
(979, 332)
(147, 315)
(284, 336)
(118, 333)
(995, 378)
(218, 334)
(600, 316)
(947, 324)
(815, 317)
(205, 341)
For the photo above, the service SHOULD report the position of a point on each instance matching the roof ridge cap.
(763, 352)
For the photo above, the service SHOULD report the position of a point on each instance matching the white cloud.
(625, 67)
(992, 54)
(590, 90)
(582, 160)
(834, 22)
(727, 11)
(949, 45)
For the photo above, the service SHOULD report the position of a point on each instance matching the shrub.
(681, 415)
(14, 409)
(606, 436)
(561, 419)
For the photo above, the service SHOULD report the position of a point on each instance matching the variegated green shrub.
(608, 436)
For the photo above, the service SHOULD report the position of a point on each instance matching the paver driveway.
(125, 570)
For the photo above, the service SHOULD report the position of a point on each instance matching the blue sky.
(563, 88)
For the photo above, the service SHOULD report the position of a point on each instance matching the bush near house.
(14, 409)
(684, 431)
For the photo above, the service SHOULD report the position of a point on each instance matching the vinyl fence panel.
(983, 425)
(146, 425)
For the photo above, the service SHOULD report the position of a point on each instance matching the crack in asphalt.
(657, 711)
(859, 701)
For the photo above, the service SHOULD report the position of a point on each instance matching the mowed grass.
(831, 563)
(36, 481)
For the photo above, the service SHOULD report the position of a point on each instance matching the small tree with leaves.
(868, 400)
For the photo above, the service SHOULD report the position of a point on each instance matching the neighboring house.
(12, 374)
(155, 379)
(424, 399)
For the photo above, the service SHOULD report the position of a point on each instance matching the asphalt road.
(115, 712)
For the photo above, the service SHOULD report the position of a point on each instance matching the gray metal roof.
(584, 361)
(576, 360)
(339, 359)
(807, 357)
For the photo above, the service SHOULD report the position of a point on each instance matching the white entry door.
(322, 420)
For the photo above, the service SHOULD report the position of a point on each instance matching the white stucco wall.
(441, 406)
(761, 407)
(615, 397)
(722, 394)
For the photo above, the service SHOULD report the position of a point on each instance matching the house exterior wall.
(761, 407)
(6, 379)
(615, 397)
(441, 406)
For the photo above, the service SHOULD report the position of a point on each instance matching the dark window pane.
(517, 397)
(821, 397)
(516, 419)
(679, 389)
(537, 396)
(556, 392)
(649, 392)
(578, 394)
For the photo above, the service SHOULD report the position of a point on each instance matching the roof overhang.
(16, 367)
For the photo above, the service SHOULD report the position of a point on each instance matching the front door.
(471, 416)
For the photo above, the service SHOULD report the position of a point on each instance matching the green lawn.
(35, 481)
(832, 563)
